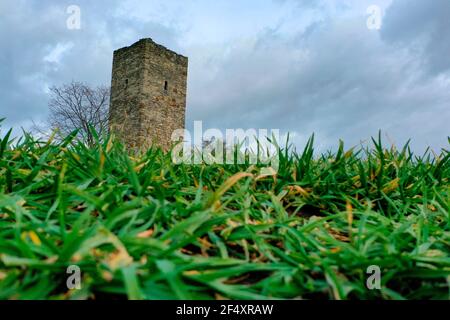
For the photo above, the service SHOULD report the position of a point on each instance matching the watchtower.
(148, 94)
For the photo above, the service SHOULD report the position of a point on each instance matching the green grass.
(143, 228)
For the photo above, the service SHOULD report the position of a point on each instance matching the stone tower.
(148, 94)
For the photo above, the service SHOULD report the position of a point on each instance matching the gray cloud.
(335, 77)
(30, 33)
(423, 28)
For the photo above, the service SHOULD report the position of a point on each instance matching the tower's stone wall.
(148, 94)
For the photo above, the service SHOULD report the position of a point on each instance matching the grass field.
(143, 228)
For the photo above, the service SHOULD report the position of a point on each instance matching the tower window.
(166, 85)
(126, 83)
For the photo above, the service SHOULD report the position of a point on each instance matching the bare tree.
(78, 106)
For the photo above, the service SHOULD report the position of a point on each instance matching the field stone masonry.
(148, 95)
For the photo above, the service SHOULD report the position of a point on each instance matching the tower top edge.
(149, 41)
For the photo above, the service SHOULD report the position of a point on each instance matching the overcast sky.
(301, 66)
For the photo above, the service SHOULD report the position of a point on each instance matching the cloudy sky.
(301, 66)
